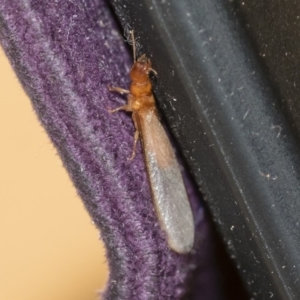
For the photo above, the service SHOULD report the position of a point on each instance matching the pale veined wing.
(169, 193)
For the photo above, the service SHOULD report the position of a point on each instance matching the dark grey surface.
(227, 118)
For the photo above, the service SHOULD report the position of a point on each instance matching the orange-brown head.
(140, 70)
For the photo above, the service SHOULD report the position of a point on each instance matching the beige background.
(49, 247)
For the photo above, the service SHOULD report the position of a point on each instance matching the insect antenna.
(133, 45)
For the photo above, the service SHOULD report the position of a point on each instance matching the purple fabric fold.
(66, 54)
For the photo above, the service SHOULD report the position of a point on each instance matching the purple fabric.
(66, 54)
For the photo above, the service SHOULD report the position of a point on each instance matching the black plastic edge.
(227, 119)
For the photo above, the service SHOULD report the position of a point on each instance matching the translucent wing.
(169, 193)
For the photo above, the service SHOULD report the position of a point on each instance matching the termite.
(168, 191)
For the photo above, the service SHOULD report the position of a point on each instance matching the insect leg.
(123, 107)
(136, 136)
(126, 107)
(118, 90)
(153, 71)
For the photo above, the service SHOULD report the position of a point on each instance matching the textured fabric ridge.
(66, 54)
